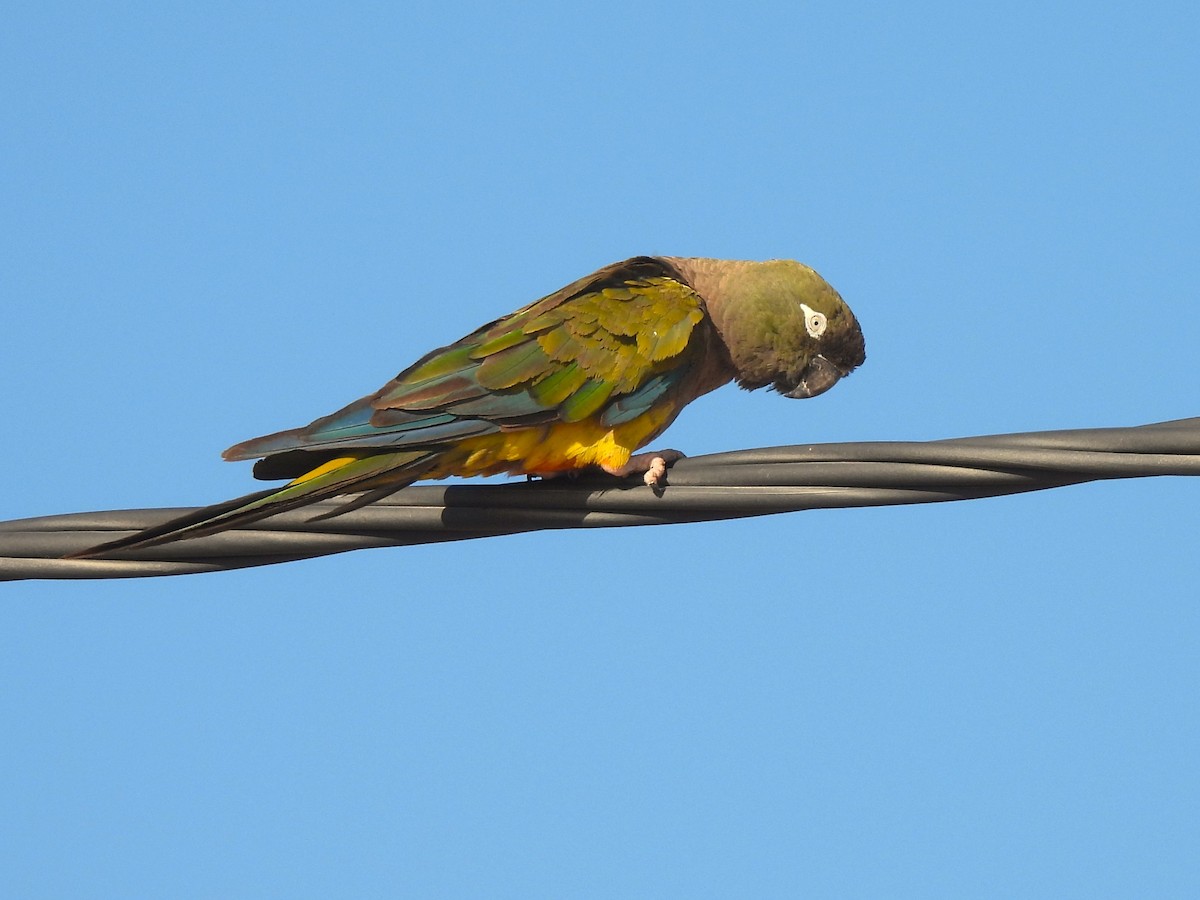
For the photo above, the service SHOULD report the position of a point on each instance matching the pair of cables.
(703, 488)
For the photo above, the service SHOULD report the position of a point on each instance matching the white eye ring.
(815, 323)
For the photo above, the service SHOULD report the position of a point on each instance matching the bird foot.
(652, 466)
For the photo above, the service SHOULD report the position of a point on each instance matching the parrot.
(579, 379)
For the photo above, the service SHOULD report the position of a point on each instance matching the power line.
(703, 488)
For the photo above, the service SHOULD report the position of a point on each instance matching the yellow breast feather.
(553, 448)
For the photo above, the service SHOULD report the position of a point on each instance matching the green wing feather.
(611, 345)
(631, 327)
(564, 356)
(561, 359)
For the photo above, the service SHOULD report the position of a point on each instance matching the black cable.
(703, 488)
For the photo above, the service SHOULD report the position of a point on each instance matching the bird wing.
(608, 346)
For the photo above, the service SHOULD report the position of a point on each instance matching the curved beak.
(818, 377)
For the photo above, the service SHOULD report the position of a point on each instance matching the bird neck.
(710, 278)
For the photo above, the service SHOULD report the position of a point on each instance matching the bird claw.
(656, 472)
(652, 466)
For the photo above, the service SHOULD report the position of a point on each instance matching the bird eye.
(814, 322)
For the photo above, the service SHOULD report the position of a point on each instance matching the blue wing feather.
(630, 406)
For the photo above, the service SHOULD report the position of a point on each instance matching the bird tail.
(378, 474)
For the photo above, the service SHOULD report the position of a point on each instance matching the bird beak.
(818, 377)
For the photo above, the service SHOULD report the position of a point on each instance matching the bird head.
(784, 327)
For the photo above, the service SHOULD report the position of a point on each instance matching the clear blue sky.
(224, 219)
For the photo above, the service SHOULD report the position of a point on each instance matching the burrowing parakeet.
(583, 377)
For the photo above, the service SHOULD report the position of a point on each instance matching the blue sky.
(222, 220)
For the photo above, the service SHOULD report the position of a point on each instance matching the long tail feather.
(380, 474)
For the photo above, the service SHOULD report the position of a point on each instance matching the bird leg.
(651, 465)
